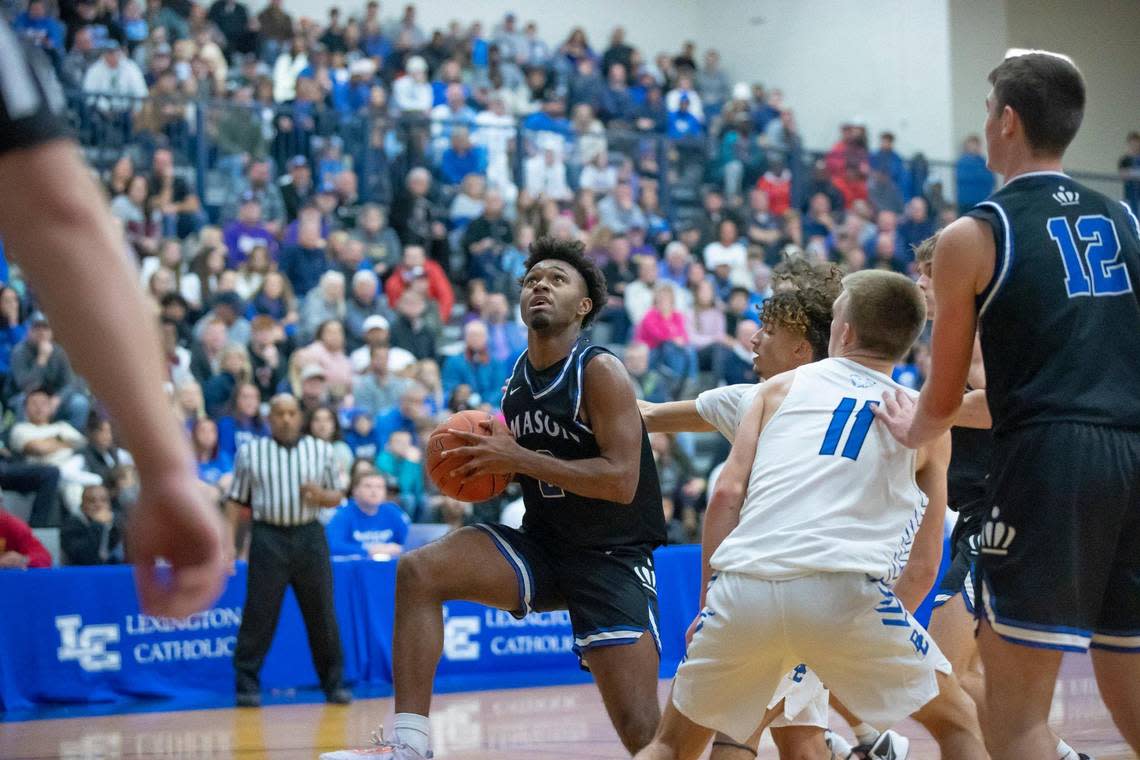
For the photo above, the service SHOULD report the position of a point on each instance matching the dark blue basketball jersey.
(1060, 320)
(543, 410)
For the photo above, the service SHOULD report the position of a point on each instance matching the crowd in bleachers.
(341, 209)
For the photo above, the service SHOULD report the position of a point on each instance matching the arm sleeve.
(724, 407)
(400, 531)
(31, 100)
(329, 477)
(339, 533)
(241, 489)
(26, 543)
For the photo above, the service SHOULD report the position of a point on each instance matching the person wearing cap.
(377, 332)
(296, 186)
(114, 74)
(247, 231)
(39, 363)
(364, 302)
(412, 93)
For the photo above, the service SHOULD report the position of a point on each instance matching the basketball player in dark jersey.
(55, 222)
(593, 515)
(952, 620)
(1048, 269)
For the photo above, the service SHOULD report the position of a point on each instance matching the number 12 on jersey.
(858, 432)
(1101, 258)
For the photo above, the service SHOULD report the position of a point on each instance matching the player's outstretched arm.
(963, 264)
(611, 408)
(723, 512)
(926, 552)
(56, 225)
(673, 417)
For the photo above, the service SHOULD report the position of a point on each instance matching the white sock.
(865, 734)
(413, 730)
(1065, 752)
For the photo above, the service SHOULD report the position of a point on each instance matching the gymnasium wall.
(882, 60)
(1103, 37)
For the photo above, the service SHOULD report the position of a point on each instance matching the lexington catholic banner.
(75, 635)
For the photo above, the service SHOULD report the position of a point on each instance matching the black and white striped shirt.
(268, 478)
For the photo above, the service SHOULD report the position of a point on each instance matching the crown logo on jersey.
(996, 535)
(1066, 197)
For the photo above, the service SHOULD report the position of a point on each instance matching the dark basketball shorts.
(959, 577)
(1059, 555)
(611, 594)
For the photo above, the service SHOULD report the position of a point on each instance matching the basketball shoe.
(890, 745)
(381, 748)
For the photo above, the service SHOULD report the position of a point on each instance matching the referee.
(285, 479)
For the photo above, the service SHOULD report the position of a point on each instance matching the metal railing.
(211, 140)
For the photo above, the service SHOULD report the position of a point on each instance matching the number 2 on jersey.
(858, 432)
(1101, 258)
(549, 490)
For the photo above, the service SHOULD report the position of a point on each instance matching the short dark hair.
(573, 253)
(1133, 136)
(806, 312)
(1048, 94)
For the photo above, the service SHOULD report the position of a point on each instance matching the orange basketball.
(477, 488)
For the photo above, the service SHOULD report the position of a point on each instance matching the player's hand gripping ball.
(448, 472)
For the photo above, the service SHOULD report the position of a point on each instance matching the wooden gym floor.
(522, 724)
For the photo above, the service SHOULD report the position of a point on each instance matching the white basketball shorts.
(849, 629)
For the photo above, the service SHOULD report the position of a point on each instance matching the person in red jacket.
(415, 264)
(777, 183)
(19, 547)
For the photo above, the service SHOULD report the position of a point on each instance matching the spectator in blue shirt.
(361, 435)
(462, 158)
(683, 123)
(475, 367)
(368, 525)
(304, 263)
(215, 468)
(12, 327)
(917, 225)
(42, 30)
(886, 160)
(244, 422)
(406, 417)
(974, 180)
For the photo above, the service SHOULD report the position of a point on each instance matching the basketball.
(440, 468)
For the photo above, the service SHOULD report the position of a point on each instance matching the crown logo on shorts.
(996, 535)
(1066, 197)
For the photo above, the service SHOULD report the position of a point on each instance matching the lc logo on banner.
(87, 644)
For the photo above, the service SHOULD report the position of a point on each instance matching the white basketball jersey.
(831, 490)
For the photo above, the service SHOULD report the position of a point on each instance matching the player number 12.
(858, 432)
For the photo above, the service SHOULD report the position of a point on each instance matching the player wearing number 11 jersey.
(801, 544)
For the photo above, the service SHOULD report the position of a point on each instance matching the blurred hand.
(13, 561)
(173, 520)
